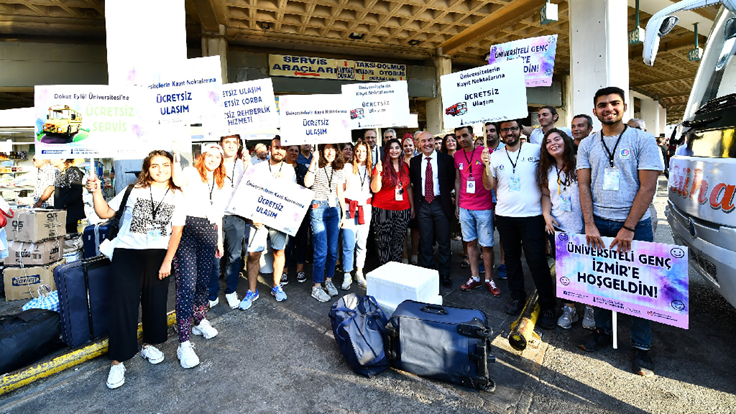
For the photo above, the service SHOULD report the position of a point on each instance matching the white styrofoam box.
(395, 282)
(389, 308)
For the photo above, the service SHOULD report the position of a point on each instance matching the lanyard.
(400, 184)
(559, 181)
(513, 164)
(212, 189)
(329, 182)
(470, 163)
(232, 179)
(269, 166)
(154, 210)
(363, 178)
(612, 154)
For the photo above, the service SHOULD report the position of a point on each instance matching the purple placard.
(537, 53)
(649, 281)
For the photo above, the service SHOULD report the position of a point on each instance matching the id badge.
(399, 194)
(332, 201)
(154, 236)
(515, 184)
(470, 187)
(565, 202)
(611, 177)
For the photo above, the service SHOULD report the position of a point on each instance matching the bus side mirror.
(668, 24)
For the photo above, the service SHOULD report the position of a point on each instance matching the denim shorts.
(257, 239)
(477, 225)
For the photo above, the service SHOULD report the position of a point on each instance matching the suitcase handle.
(433, 309)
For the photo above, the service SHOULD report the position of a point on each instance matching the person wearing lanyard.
(519, 219)
(557, 178)
(358, 214)
(325, 177)
(617, 172)
(409, 152)
(201, 243)
(297, 244)
(258, 233)
(233, 227)
(474, 209)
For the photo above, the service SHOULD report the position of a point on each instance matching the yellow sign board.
(324, 68)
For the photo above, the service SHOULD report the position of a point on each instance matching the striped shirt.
(325, 180)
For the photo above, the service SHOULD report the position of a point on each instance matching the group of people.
(175, 220)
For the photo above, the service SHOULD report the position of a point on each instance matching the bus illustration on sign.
(357, 114)
(459, 108)
(62, 120)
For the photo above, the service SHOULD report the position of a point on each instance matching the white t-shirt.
(518, 193)
(537, 134)
(139, 230)
(287, 171)
(359, 185)
(565, 202)
(202, 199)
(234, 171)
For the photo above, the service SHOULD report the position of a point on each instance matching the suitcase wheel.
(488, 387)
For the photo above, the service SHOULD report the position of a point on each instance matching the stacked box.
(23, 282)
(34, 254)
(395, 282)
(34, 225)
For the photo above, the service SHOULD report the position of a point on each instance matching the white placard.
(277, 203)
(485, 93)
(242, 108)
(314, 119)
(377, 105)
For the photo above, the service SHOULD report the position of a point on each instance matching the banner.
(377, 105)
(485, 93)
(314, 119)
(277, 203)
(324, 68)
(537, 54)
(704, 187)
(650, 281)
(243, 108)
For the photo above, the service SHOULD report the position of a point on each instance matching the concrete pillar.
(214, 44)
(599, 51)
(650, 114)
(566, 111)
(662, 120)
(435, 112)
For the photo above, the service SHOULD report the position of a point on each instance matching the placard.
(314, 119)
(377, 105)
(325, 68)
(277, 203)
(537, 54)
(482, 94)
(242, 108)
(650, 281)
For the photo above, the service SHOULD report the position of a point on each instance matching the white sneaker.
(116, 377)
(330, 288)
(414, 259)
(320, 294)
(214, 303)
(186, 355)
(360, 279)
(569, 316)
(152, 354)
(205, 329)
(405, 261)
(232, 300)
(589, 318)
(347, 281)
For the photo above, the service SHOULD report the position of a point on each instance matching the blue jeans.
(354, 240)
(233, 229)
(325, 231)
(641, 329)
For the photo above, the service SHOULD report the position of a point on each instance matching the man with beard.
(547, 118)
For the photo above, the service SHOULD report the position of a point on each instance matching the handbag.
(46, 299)
(114, 222)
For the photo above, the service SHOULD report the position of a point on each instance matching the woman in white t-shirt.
(205, 197)
(149, 234)
(358, 200)
(558, 180)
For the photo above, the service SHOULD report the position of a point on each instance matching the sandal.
(466, 262)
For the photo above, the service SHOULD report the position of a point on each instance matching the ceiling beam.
(641, 84)
(207, 13)
(706, 12)
(491, 24)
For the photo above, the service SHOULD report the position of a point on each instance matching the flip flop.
(466, 262)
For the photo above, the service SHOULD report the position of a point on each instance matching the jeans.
(233, 229)
(526, 232)
(641, 329)
(354, 240)
(325, 231)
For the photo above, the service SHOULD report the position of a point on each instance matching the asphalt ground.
(282, 357)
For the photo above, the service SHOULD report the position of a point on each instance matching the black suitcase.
(93, 236)
(27, 337)
(441, 342)
(84, 299)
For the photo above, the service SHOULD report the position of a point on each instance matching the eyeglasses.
(513, 129)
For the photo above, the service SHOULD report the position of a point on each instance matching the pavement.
(282, 357)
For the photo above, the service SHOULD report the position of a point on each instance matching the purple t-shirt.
(471, 165)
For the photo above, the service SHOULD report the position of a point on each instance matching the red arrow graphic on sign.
(306, 74)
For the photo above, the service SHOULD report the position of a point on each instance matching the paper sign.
(537, 54)
(341, 69)
(277, 203)
(377, 105)
(242, 108)
(485, 93)
(314, 119)
(650, 281)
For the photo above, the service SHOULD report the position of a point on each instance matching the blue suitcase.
(441, 342)
(93, 236)
(84, 299)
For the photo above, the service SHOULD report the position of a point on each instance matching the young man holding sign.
(617, 173)
(278, 167)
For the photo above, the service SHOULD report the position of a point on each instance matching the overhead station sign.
(325, 68)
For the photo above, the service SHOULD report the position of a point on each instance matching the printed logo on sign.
(26, 280)
(564, 280)
(563, 237)
(677, 253)
(625, 154)
(677, 305)
(634, 311)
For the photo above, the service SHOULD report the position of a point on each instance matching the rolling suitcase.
(93, 236)
(84, 299)
(441, 342)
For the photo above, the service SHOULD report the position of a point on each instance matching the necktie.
(428, 182)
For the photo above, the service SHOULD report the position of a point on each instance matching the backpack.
(359, 328)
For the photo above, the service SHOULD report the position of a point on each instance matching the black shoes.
(643, 364)
(547, 319)
(446, 281)
(514, 307)
(597, 340)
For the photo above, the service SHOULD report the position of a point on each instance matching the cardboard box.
(34, 225)
(20, 282)
(34, 254)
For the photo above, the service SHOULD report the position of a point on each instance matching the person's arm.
(177, 175)
(592, 235)
(220, 241)
(457, 195)
(45, 196)
(410, 194)
(527, 130)
(489, 181)
(647, 188)
(165, 269)
(376, 183)
(102, 209)
(549, 221)
(341, 200)
(312, 171)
